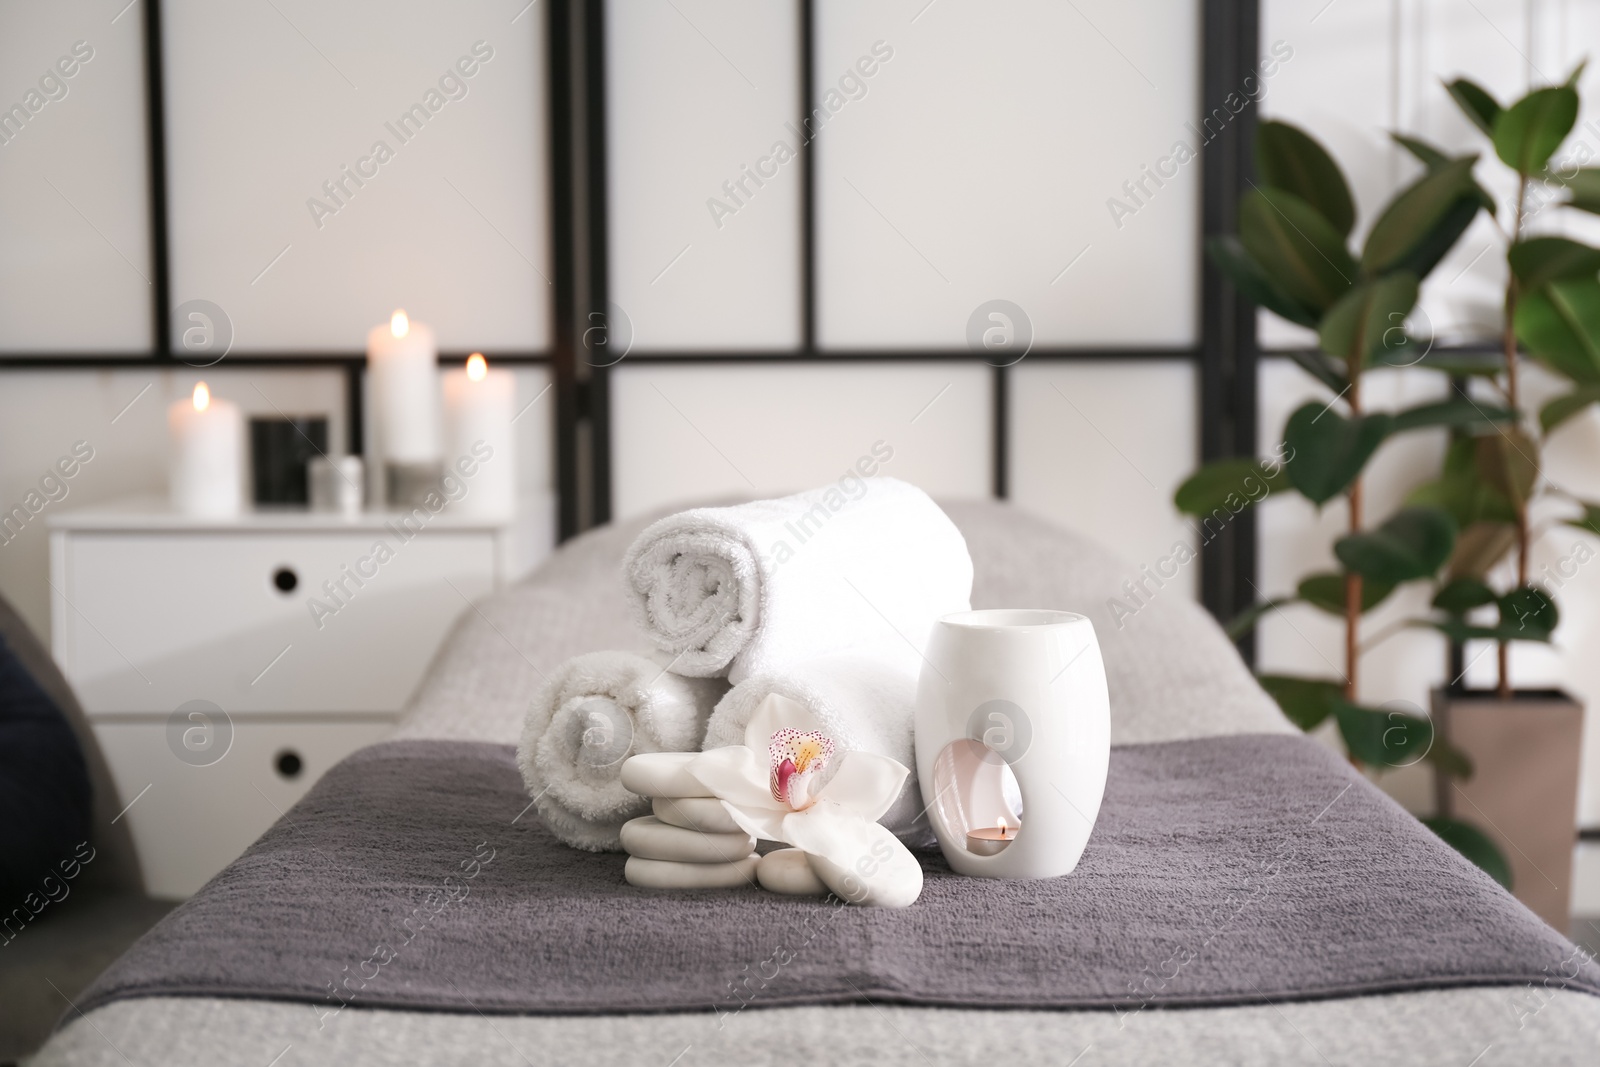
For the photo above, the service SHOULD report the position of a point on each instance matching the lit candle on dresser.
(403, 388)
(991, 840)
(206, 436)
(479, 453)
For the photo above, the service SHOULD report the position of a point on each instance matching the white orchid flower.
(776, 786)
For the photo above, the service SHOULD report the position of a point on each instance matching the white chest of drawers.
(226, 664)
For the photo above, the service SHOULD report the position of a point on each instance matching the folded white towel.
(593, 712)
(863, 703)
(864, 564)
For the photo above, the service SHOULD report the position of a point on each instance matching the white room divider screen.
(75, 262)
(796, 284)
(743, 241)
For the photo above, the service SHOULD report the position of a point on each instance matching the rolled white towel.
(863, 703)
(861, 564)
(593, 712)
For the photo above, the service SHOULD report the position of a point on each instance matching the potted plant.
(1524, 743)
(1291, 256)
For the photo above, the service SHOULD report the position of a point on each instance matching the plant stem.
(1352, 580)
(1352, 607)
(1513, 397)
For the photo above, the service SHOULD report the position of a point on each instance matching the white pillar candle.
(478, 405)
(207, 442)
(403, 385)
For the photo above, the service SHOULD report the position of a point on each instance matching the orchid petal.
(734, 774)
(865, 784)
(774, 713)
(861, 861)
(762, 825)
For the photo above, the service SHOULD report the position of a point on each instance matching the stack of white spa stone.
(690, 841)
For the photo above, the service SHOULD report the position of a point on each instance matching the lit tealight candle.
(207, 462)
(990, 841)
(480, 461)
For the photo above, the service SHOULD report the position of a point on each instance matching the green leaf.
(1457, 413)
(1229, 485)
(1461, 489)
(1563, 408)
(1326, 591)
(1584, 185)
(1459, 631)
(1246, 620)
(1421, 223)
(1454, 363)
(1462, 595)
(1229, 255)
(1508, 461)
(1425, 153)
(1288, 158)
(1477, 104)
(1434, 159)
(1320, 367)
(1435, 243)
(1296, 247)
(1400, 349)
(1548, 259)
(1475, 845)
(1447, 759)
(1369, 319)
(1577, 72)
(1306, 701)
(1528, 132)
(1326, 450)
(1380, 737)
(1413, 543)
(1479, 547)
(1530, 613)
(1590, 521)
(1560, 324)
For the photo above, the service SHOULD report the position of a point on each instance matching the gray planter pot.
(1523, 791)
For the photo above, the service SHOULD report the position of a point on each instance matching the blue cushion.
(44, 786)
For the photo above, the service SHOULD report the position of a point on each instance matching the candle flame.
(202, 396)
(1000, 824)
(477, 367)
(399, 325)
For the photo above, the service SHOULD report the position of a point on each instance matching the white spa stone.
(662, 774)
(695, 813)
(788, 871)
(651, 839)
(665, 874)
(893, 880)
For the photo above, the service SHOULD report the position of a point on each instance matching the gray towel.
(1226, 870)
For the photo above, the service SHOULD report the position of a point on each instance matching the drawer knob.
(289, 764)
(285, 579)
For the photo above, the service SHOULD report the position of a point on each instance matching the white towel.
(593, 712)
(862, 565)
(862, 702)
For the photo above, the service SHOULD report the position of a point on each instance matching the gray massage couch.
(1172, 675)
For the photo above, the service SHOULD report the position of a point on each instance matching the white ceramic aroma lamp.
(1013, 736)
